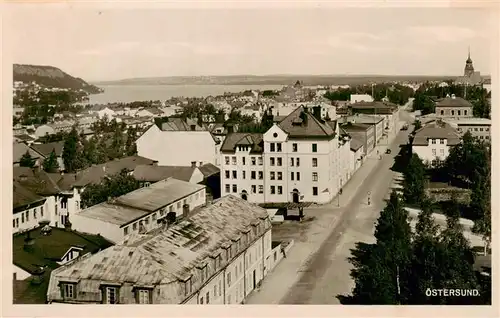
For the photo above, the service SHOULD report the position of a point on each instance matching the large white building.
(300, 159)
(140, 210)
(217, 255)
(432, 142)
(179, 143)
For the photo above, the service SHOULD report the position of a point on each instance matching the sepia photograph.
(250, 156)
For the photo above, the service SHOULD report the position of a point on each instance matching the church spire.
(469, 52)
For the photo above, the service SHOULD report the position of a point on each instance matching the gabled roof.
(178, 124)
(154, 110)
(152, 173)
(209, 169)
(19, 149)
(169, 254)
(453, 102)
(22, 197)
(48, 249)
(255, 140)
(436, 130)
(296, 127)
(36, 181)
(46, 149)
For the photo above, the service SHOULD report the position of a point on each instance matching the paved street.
(316, 269)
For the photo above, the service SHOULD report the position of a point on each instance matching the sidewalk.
(277, 283)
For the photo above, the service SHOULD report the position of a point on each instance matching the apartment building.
(298, 159)
(214, 256)
(139, 211)
(478, 127)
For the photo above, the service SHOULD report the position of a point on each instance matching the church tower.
(469, 68)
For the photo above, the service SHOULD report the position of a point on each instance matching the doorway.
(244, 195)
(295, 196)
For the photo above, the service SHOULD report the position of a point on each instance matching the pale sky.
(116, 44)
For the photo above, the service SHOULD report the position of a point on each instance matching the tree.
(112, 187)
(50, 163)
(26, 160)
(481, 208)
(414, 180)
(71, 151)
(130, 145)
(418, 125)
(381, 269)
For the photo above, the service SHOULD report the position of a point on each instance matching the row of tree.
(395, 93)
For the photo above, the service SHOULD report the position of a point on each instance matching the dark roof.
(208, 170)
(278, 119)
(453, 102)
(48, 249)
(248, 139)
(352, 127)
(151, 173)
(154, 110)
(356, 144)
(296, 127)
(24, 137)
(436, 130)
(178, 124)
(23, 197)
(36, 181)
(94, 174)
(19, 149)
(377, 107)
(46, 149)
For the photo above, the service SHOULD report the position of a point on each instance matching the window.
(433, 152)
(279, 161)
(278, 147)
(275, 256)
(134, 226)
(272, 147)
(235, 175)
(207, 296)
(14, 223)
(475, 129)
(254, 189)
(480, 129)
(27, 216)
(487, 129)
(294, 147)
(261, 175)
(291, 162)
(253, 161)
(201, 301)
(298, 176)
(227, 174)
(41, 211)
(314, 147)
(273, 189)
(215, 291)
(146, 221)
(280, 190)
(233, 159)
(272, 161)
(178, 205)
(228, 188)
(315, 176)
(280, 175)
(171, 208)
(272, 175)
(481, 137)
(314, 162)
(433, 141)
(226, 158)
(17, 222)
(441, 152)
(291, 176)
(68, 291)
(260, 161)
(261, 189)
(111, 295)
(487, 137)
(244, 174)
(465, 112)
(243, 160)
(315, 191)
(22, 217)
(125, 231)
(235, 188)
(298, 162)
(452, 113)
(253, 175)
(154, 214)
(143, 296)
(229, 279)
(188, 286)
(442, 141)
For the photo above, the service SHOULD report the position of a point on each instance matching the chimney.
(29, 243)
(230, 129)
(185, 210)
(193, 164)
(193, 127)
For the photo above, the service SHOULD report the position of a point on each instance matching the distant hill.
(51, 76)
(308, 80)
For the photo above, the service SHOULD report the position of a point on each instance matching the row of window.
(475, 129)
(439, 141)
(155, 215)
(441, 152)
(110, 294)
(459, 113)
(25, 217)
(234, 160)
(275, 147)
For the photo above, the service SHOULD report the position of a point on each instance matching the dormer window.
(188, 287)
(143, 295)
(68, 290)
(110, 294)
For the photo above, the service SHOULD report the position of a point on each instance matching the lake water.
(131, 93)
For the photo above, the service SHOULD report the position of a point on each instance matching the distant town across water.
(131, 93)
